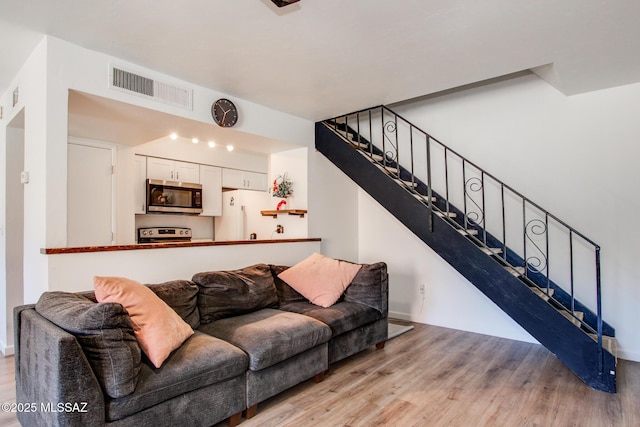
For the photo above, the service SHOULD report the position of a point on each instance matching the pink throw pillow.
(320, 279)
(157, 327)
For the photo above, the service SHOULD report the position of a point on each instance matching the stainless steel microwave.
(173, 197)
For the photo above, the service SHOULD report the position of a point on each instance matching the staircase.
(527, 261)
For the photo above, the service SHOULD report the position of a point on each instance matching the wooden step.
(407, 183)
(371, 156)
(389, 169)
(516, 271)
(423, 198)
(579, 315)
(491, 251)
(468, 232)
(545, 294)
(446, 214)
(608, 343)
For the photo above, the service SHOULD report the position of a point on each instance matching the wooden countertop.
(139, 246)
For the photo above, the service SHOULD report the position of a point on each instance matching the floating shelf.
(275, 213)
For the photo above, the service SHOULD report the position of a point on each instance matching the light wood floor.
(434, 376)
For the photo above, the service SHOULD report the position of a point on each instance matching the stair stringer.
(567, 342)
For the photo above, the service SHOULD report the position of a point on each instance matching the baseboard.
(400, 316)
(628, 355)
(6, 350)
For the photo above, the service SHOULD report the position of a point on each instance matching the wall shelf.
(275, 213)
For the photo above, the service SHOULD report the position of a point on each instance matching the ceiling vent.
(159, 91)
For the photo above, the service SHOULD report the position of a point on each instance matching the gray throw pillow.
(286, 294)
(105, 333)
(370, 287)
(232, 293)
(182, 297)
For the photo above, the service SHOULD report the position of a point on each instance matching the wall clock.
(224, 113)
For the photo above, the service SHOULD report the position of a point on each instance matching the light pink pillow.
(157, 327)
(320, 279)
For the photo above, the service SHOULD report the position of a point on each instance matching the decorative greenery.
(282, 186)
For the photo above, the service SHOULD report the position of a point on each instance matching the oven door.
(173, 197)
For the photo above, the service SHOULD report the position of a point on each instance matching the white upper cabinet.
(140, 187)
(172, 170)
(234, 178)
(187, 172)
(211, 180)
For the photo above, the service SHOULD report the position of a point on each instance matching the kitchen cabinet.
(211, 180)
(140, 187)
(245, 180)
(172, 170)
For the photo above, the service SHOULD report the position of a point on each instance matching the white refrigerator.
(241, 215)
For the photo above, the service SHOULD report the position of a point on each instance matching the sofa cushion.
(370, 287)
(157, 327)
(182, 297)
(201, 361)
(340, 317)
(321, 279)
(105, 333)
(286, 293)
(269, 336)
(231, 293)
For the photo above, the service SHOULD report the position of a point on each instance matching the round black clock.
(224, 113)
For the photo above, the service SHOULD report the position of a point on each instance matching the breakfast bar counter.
(164, 245)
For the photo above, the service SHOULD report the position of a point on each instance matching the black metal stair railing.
(532, 243)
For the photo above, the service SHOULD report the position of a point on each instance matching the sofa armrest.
(370, 287)
(53, 375)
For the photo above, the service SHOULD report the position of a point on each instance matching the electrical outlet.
(279, 229)
(422, 289)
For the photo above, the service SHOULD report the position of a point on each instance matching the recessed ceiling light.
(212, 144)
(194, 140)
(229, 147)
(173, 136)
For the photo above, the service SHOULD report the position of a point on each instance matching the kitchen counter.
(143, 246)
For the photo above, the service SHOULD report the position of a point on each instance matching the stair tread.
(608, 343)
(422, 197)
(544, 294)
(446, 214)
(578, 314)
(371, 156)
(407, 183)
(469, 231)
(491, 251)
(516, 271)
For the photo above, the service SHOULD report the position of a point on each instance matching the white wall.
(448, 299)
(576, 156)
(294, 164)
(56, 67)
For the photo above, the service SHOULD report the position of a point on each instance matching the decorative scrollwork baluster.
(533, 229)
(390, 129)
(471, 186)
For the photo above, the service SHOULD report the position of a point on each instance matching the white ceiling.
(320, 58)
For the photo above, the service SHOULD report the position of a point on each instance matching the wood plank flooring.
(433, 376)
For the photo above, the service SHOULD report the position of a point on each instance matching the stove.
(164, 234)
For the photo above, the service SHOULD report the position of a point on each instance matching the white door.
(89, 196)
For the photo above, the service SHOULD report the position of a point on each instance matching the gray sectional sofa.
(77, 364)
